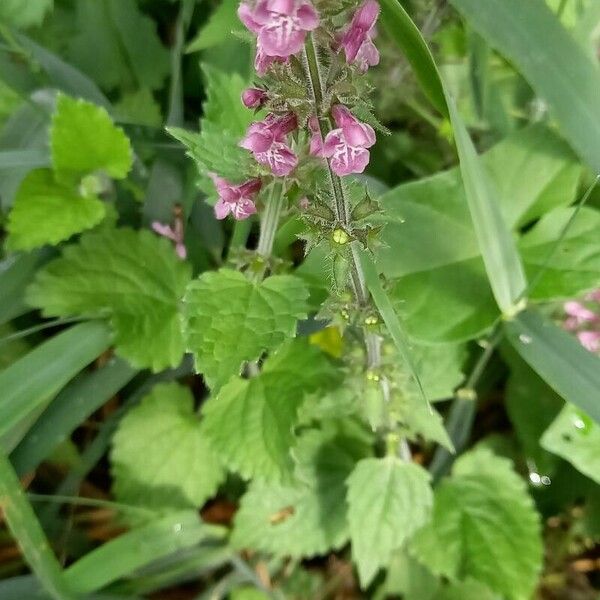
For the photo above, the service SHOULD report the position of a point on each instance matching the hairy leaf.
(160, 458)
(484, 527)
(135, 278)
(48, 212)
(230, 319)
(388, 499)
(250, 421)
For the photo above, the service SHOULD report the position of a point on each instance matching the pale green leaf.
(134, 278)
(576, 438)
(250, 421)
(24, 13)
(466, 590)
(139, 108)
(48, 212)
(307, 517)
(84, 140)
(217, 28)
(117, 45)
(230, 319)
(484, 527)
(160, 458)
(389, 500)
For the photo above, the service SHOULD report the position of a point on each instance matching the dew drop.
(525, 339)
(535, 478)
(177, 528)
(579, 424)
(545, 480)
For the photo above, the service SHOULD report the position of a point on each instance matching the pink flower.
(254, 98)
(173, 233)
(262, 62)
(316, 139)
(266, 140)
(590, 340)
(280, 25)
(579, 312)
(237, 200)
(346, 147)
(357, 40)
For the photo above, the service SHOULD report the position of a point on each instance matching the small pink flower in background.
(303, 203)
(237, 200)
(266, 140)
(316, 139)
(254, 98)
(583, 319)
(173, 233)
(346, 147)
(357, 40)
(280, 26)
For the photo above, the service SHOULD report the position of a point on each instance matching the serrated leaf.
(84, 140)
(484, 526)
(140, 108)
(574, 436)
(308, 517)
(48, 212)
(250, 421)
(160, 458)
(217, 29)
(388, 499)
(134, 278)
(229, 319)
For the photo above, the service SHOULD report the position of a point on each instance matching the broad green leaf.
(117, 45)
(217, 29)
(24, 13)
(306, 517)
(484, 527)
(160, 458)
(388, 500)
(230, 319)
(48, 212)
(502, 261)
(466, 590)
(575, 266)
(400, 27)
(409, 579)
(84, 140)
(73, 405)
(559, 359)
(250, 421)
(576, 438)
(134, 278)
(139, 108)
(440, 367)
(561, 72)
(26, 529)
(137, 548)
(31, 382)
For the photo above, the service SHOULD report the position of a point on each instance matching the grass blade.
(531, 36)
(26, 529)
(400, 27)
(498, 248)
(137, 548)
(389, 316)
(73, 405)
(32, 158)
(558, 358)
(29, 384)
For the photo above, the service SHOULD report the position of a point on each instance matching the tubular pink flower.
(590, 340)
(316, 139)
(280, 25)
(579, 312)
(237, 200)
(266, 140)
(357, 39)
(346, 147)
(254, 97)
(173, 233)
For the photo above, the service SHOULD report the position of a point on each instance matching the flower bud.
(253, 98)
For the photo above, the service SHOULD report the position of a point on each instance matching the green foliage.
(576, 438)
(250, 421)
(160, 458)
(139, 107)
(85, 141)
(134, 278)
(484, 527)
(307, 516)
(230, 319)
(48, 212)
(217, 29)
(389, 500)
(24, 13)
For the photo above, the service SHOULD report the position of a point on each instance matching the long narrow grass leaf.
(558, 358)
(26, 529)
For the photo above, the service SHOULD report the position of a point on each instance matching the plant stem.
(270, 220)
(462, 412)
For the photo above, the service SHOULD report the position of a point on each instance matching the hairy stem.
(270, 220)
